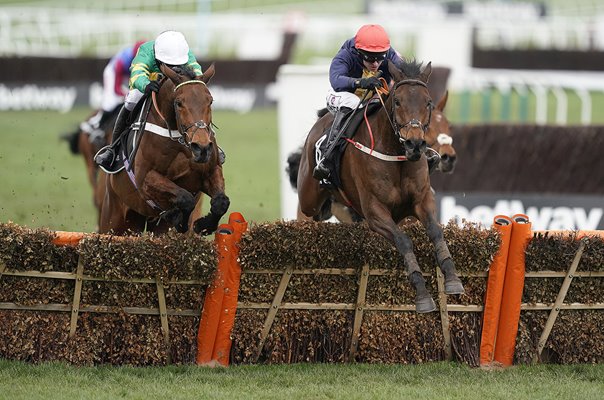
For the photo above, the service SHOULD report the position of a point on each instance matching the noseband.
(414, 123)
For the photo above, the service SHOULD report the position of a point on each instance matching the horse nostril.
(409, 144)
(444, 157)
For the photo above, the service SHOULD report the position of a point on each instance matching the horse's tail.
(72, 138)
(293, 165)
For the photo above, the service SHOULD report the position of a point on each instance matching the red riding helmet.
(372, 38)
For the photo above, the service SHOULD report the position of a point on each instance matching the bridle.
(185, 136)
(413, 123)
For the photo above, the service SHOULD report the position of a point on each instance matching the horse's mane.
(411, 69)
(184, 70)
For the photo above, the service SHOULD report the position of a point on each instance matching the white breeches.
(110, 98)
(132, 98)
(335, 100)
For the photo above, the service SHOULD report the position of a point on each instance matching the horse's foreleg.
(427, 215)
(177, 202)
(380, 221)
(219, 204)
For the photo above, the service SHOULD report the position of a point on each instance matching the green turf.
(44, 185)
(301, 381)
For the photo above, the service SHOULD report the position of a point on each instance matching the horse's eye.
(397, 102)
(178, 103)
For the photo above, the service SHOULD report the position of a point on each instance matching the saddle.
(127, 145)
(334, 181)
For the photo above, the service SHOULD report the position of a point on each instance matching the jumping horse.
(384, 191)
(176, 162)
(438, 137)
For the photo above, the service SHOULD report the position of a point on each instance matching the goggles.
(372, 57)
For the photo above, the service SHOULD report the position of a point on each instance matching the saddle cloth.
(129, 140)
(334, 181)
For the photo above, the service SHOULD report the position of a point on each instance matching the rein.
(395, 126)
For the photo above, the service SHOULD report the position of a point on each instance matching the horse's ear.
(208, 74)
(170, 73)
(443, 101)
(396, 73)
(425, 75)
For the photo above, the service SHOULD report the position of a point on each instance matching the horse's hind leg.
(379, 220)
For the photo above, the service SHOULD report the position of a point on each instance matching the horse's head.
(410, 106)
(439, 137)
(188, 105)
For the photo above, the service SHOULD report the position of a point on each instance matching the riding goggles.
(372, 57)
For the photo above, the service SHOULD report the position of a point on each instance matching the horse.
(80, 142)
(385, 192)
(438, 137)
(176, 163)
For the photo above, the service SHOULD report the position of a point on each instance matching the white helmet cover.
(172, 48)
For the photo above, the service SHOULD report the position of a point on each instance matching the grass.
(301, 381)
(44, 185)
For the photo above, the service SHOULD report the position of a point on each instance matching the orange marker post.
(512, 291)
(211, 312)
(495, 280)
(222, 345)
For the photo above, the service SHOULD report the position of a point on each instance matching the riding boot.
(106, 156)
(221, 155)
(97, 135)
(433, 162)
(321, 171)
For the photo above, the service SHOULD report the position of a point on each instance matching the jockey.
(115, 83)
(170, 48)
(351, 74)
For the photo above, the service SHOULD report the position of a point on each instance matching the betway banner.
(64, 97)
(545, 211)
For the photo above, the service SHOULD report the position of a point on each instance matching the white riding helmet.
(172, 48)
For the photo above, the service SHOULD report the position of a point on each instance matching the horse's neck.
(162, 117)
(384, 138)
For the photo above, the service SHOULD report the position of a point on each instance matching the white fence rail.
(88, 30)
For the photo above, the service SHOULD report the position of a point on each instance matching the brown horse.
(439, 137)
(385, 192)
(170, 172)
(81, 143)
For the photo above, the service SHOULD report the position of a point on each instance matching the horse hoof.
(454, 286)
(424, 305)
(204, 226)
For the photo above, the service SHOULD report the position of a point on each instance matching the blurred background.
(523, 75)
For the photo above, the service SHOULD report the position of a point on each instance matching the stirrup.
(105, 157)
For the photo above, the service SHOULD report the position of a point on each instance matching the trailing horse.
(81, 142)
(174, 162)
(389, 181)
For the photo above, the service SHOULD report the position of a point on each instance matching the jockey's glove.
(152, 86)
(368, 83)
